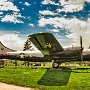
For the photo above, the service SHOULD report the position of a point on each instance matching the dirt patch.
(4, 86)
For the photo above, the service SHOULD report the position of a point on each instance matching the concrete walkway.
(4, 86)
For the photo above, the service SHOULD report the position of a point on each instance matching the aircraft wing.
(46, 43)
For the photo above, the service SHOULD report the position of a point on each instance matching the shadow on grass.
(55, 77)
(81, 70)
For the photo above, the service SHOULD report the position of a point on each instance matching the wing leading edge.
(46, 43)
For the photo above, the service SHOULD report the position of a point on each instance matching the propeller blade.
(81, 42)
(81, 48)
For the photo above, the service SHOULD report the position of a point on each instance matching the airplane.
(50, 50)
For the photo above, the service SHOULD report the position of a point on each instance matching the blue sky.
(66, 19)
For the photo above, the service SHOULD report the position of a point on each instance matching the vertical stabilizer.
(4, 49)
(46, 43)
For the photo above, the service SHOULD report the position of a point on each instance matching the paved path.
(4, 86)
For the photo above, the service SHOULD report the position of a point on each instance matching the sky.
(66, 19)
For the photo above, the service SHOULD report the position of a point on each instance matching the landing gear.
(55, 64)
(1, 63)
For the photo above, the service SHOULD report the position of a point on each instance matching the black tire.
(55, 65)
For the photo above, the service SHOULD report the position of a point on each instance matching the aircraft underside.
(56, 61)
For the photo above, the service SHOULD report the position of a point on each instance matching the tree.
(28, 46)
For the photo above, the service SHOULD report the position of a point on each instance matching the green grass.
(47, 79)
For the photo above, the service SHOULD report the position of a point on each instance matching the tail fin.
(4, 49)
(46, 43)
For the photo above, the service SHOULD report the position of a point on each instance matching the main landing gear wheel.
(55, 65)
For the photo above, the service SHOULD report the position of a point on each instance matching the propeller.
(81, 48)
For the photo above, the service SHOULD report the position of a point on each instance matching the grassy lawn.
(46, 78)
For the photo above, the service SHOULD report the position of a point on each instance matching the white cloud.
(35, 3)
(75, 26)
(31, 25)
(71, 5)
(68, 5)
(63, 40)
(20, 2)
(11, 18)
(49, 2)
(47, 12)
(55, 30)
(29, 18)
(16, 32)
(87, 0)
(22, 8)
(16, 14)
(60, 22)
(1, 12)
(27, 4)
(6, 5)
(0, 16)
(71, 8)
(14, 41)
